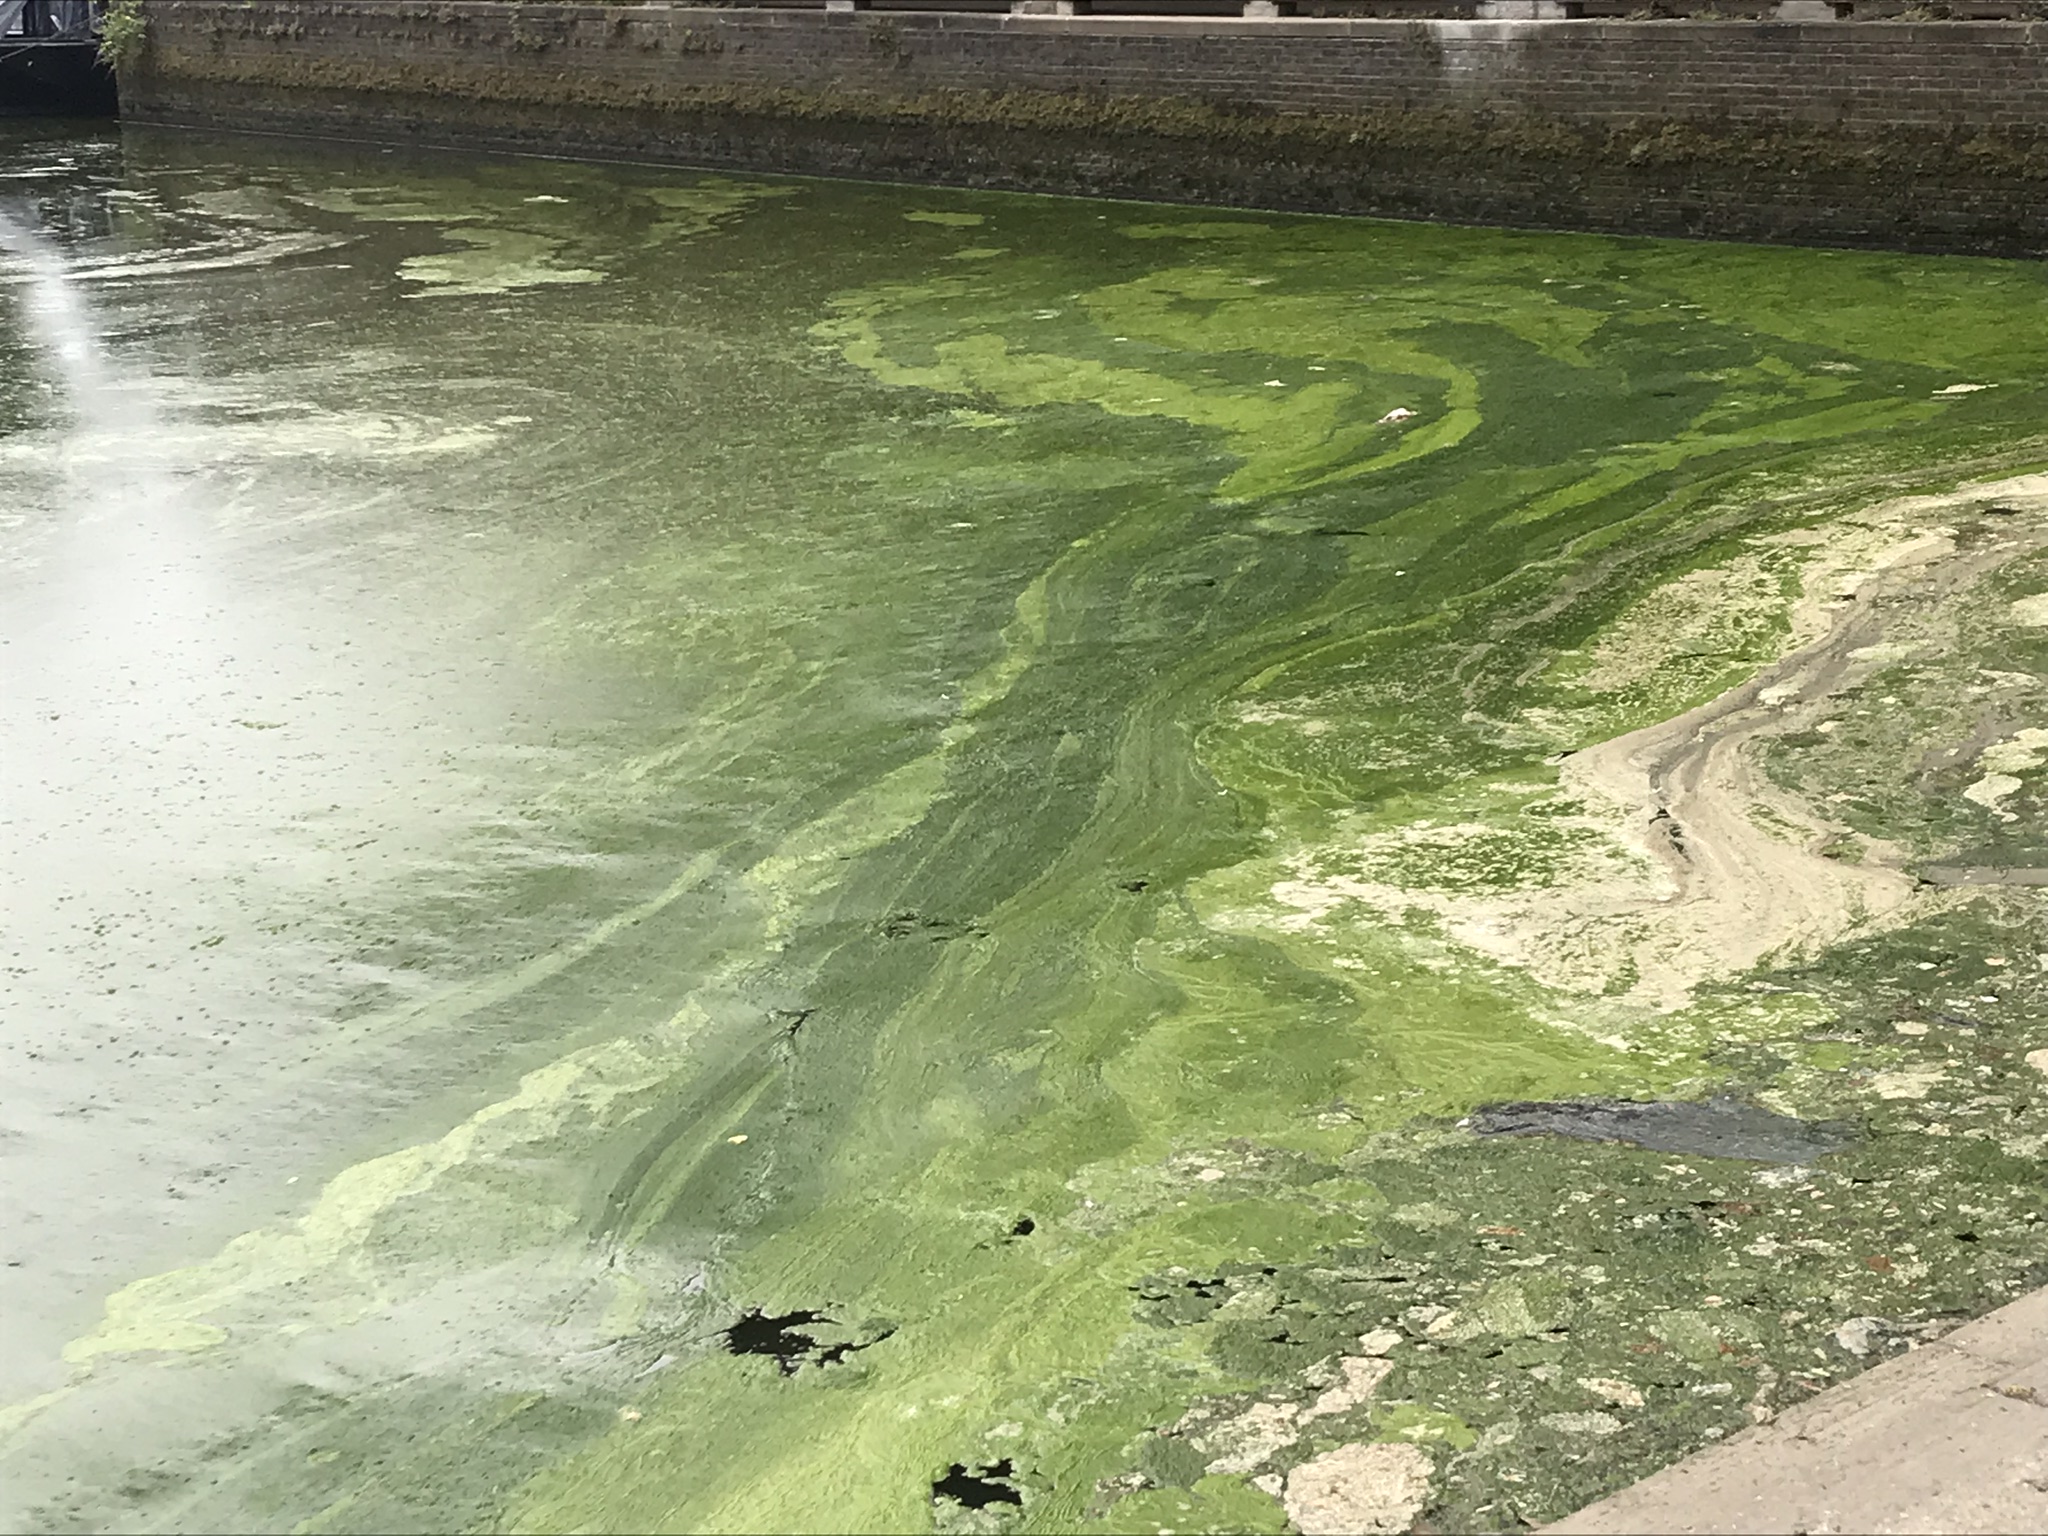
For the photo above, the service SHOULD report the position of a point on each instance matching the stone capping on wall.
(263, 18)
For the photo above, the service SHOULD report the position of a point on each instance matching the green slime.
(999, 1036)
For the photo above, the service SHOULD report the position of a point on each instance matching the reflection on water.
(598, 759)
(196, 754)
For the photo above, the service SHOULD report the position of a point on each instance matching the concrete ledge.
(1952, 1437)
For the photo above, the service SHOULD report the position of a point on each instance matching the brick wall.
(1930, 135)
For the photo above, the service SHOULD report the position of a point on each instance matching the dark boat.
(49, 60)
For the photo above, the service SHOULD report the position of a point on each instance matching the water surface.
(595, 755)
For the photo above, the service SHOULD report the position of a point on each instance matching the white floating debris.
(1964, 389)
(1582, 1423)
(1361, 1378)
(1361, 1487)
(735, 1140)
(1620, 1393)
(1993, 788)
(1276, 383)
(1398, 413)
(1380, 1341)
(1781, 1178)
(1911, 1083)
(2030, 611)
(1249, 1438)
(546, 197)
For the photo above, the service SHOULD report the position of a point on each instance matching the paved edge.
(1950, 1437)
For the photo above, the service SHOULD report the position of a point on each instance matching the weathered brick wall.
(1930, 135)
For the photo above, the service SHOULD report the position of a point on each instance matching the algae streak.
(1134, 726)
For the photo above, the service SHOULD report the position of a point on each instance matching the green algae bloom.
(1113, 742)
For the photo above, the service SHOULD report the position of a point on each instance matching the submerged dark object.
(980, 1488)
(1723, 1126)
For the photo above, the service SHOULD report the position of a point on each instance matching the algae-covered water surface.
(691, 853)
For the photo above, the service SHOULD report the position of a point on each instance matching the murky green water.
(594, 750)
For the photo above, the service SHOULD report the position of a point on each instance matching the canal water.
(699, 852)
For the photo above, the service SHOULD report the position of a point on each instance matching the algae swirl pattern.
(1221, 700)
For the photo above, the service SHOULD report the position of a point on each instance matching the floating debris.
(1359, 1488)
(1620, 1393)
(1582, 1423)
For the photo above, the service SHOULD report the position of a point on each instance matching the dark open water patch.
(980, 1488)
(781, 1339)
(1723, 1126)
(756, 1333)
